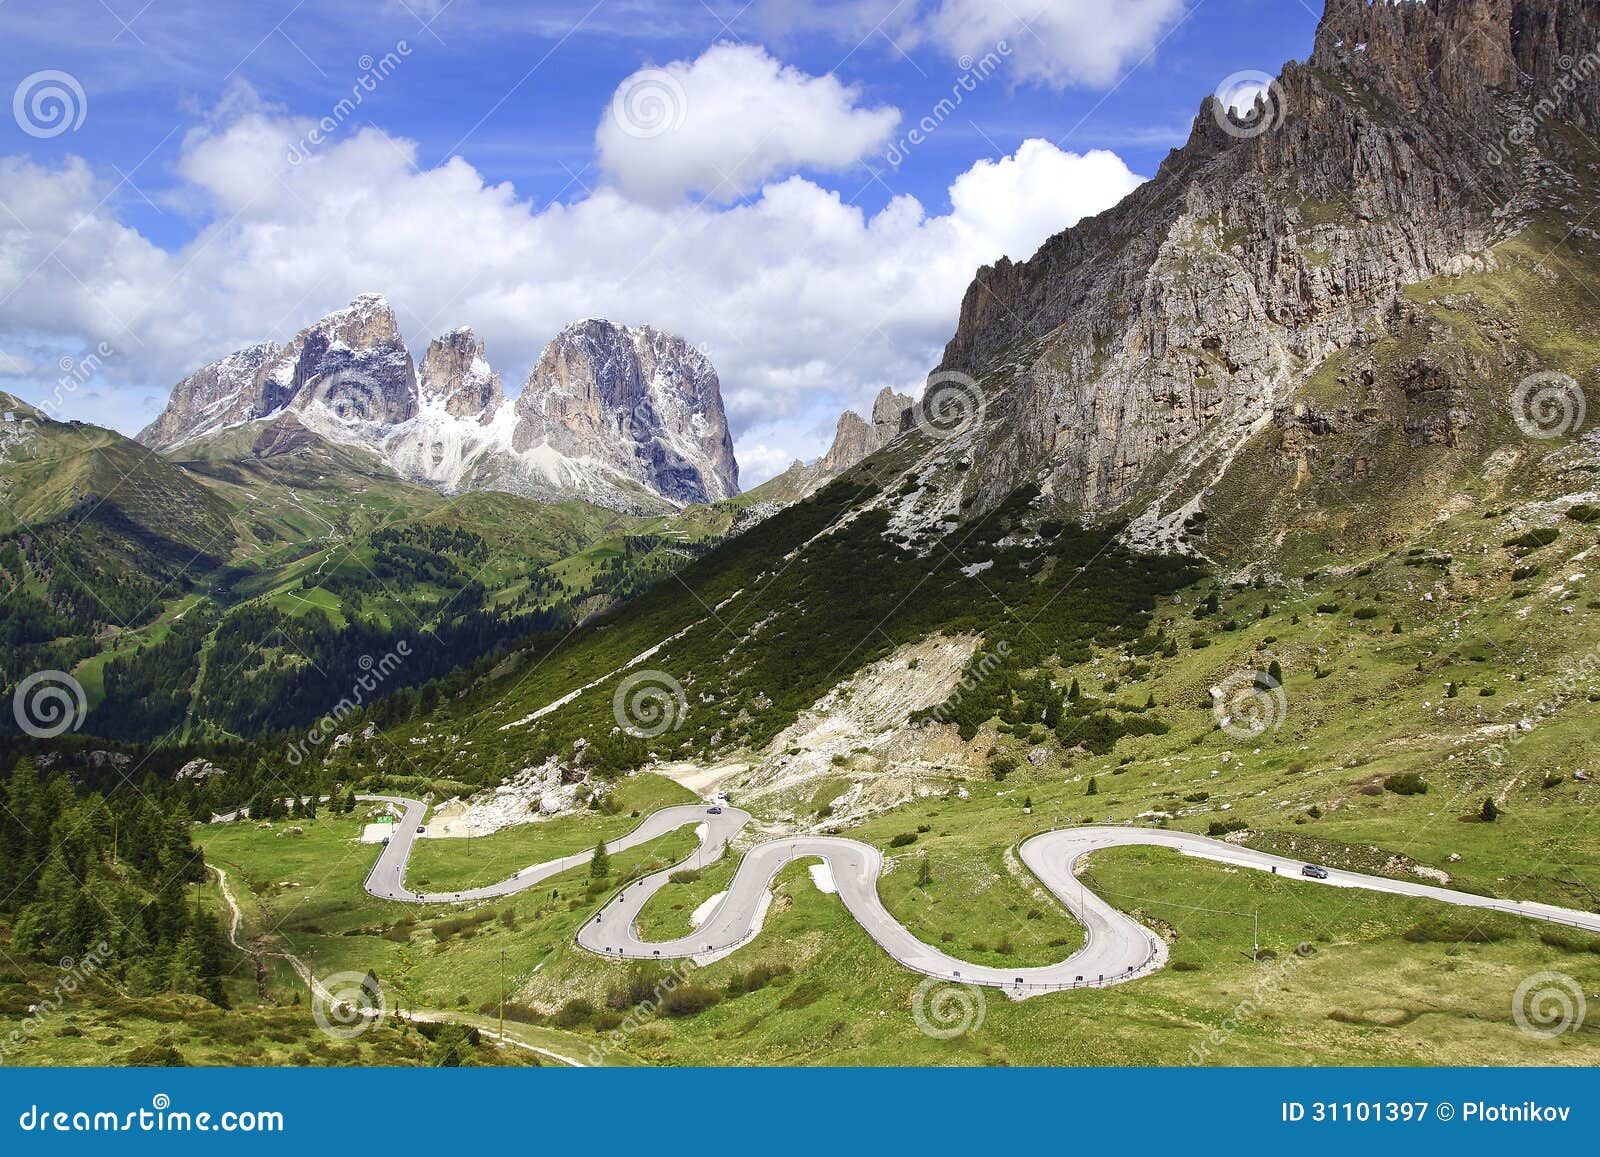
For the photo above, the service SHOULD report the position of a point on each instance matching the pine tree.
(1094, 786)
(1490, 811)
(600, 866)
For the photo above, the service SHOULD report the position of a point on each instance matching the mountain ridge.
(650, 433)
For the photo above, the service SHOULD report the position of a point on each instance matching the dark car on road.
(713, 811)
(1314, 871)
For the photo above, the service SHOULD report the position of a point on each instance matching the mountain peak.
(456, 377)
(636, 401)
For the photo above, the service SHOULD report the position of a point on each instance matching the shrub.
(1585, 514)
(689, 1000)
(1534, 539)
(1406, 783)
(805, 993)
(904, 839)
(1220, 828)
(575, 1013)
(1439, 930)
(1490, 811)
(1568, 942)
(684, 876)
(757, 978)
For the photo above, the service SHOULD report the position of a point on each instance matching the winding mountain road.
(1116, 947)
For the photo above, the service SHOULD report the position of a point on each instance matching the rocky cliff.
(1126, 364)
(223, 393)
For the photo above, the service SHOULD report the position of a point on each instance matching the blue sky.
(488, 158)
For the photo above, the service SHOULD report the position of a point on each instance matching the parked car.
(1314, 871)
(421, 830)
(386, 841)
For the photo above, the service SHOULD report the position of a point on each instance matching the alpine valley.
(1261, 507)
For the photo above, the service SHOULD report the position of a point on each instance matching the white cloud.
(725, 123)
(1018, 201)
(806, 304)
(1057, 42)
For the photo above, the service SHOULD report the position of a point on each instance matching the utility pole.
(502, 997)
(1256, 955)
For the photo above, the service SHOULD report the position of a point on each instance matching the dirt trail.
(236, 917)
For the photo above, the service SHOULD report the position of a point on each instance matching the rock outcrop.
(457, 379)
(854, 439)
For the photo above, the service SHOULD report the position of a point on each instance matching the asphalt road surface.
(1116, 949)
